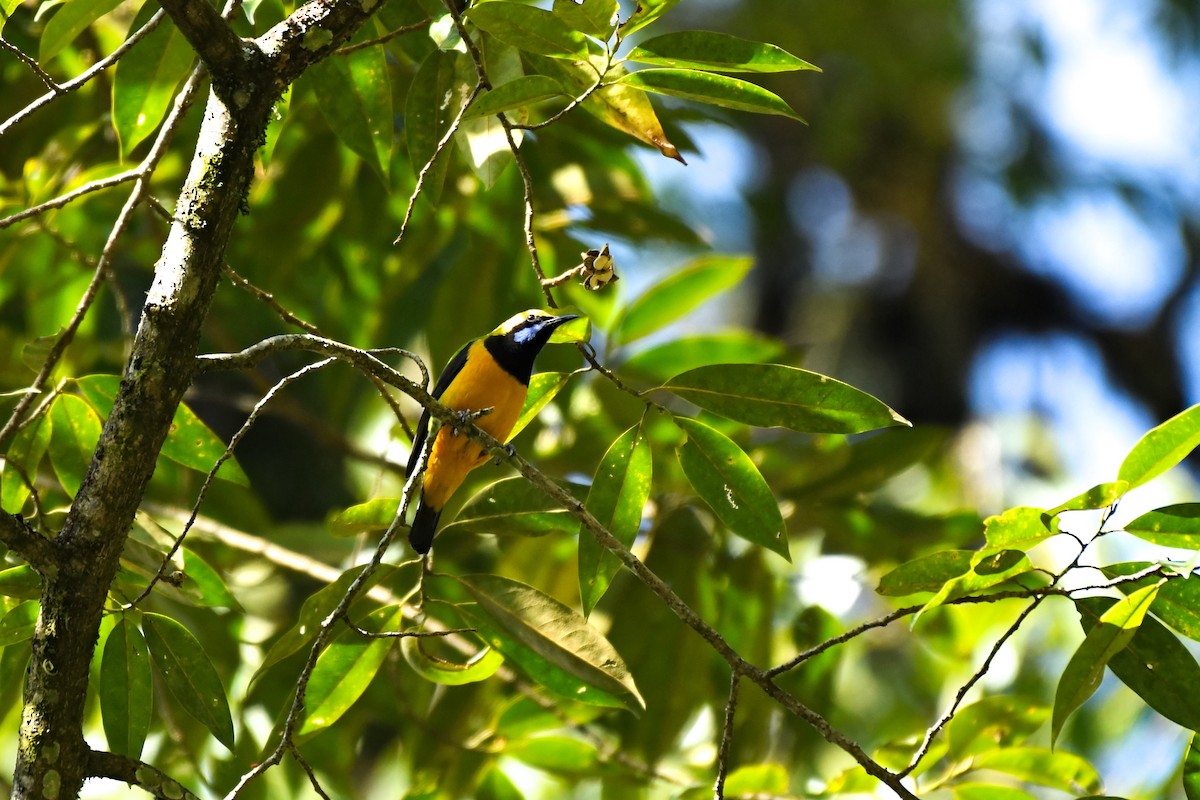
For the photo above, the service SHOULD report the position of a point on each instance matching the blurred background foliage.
(990, 222)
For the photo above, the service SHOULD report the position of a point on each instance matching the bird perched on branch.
(491, 372)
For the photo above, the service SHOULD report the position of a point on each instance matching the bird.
(491, 372)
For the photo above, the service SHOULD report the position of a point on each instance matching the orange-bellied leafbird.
(490, 372)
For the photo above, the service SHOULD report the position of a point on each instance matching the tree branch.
(103, 764)
(18, 536)
(222, 51)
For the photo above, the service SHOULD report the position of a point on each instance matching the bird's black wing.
(448, 374)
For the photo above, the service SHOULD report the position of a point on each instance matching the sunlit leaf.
(514, 506)
(70, 20)
(73, 436)
(145, 80)
(18, 624)
(1162, 448)
(355, 97)
(190, 442)
(528, 28)
(619, 491)
(727, 480)
(682, 291)
(771, 779)
(989, 567)
(1155, 664)
(203, 584)
(21, 582)
(315, 609)
(552, 643)
(563, 755)
(1054, 769)
(1019, 528)
(434, 100)
(542, 389)
(646, 12)
(1178, 600)
(1000, 721)
(772, 395)
(679, 355)
(186, 669)
(495, 785)
(479, 667)
(24, 455)
(1100, 496)
(1170, 526)
(986, 791)
(346, 668)
(518, 93)
(718, 51)
(1115, 630)
(707, 87)
(1191, 769)
(593, 17)
(125, 689)
(925, 574)
(373, 516)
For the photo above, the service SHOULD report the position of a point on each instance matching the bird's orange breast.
(482, 383)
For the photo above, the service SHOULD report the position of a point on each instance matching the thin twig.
(32, 63)
(212, 473)
(735, 681)
(387, 37)
(88, 74)
(437, 151)
(62, 200)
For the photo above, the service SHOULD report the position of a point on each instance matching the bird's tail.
(424, 525)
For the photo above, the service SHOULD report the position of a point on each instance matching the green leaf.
(727, 480)
(1019, 528)
(562, 755)
(707, 87)
(70, 20)
(718, 51)
(1191, 769)
(314, 611)
(346, 668)
(1155, 665)
(7, 7)
(681, 292)
(644, 13)
(1170, 526)
(1178, 600)
(204, 585)
(1000, 721)
(529, 28)
(145, 80)
(1162, 448)
(479, 667)
(190, 442)
(185, 668)
(495, 785)
(593, 17)
(624, 108)
(542, 389)
(21, 582)
(552, 643)
(660, 362)
(1082, 675)
(25, 451)
(73, 436)
(483, 140)
(989, 567)
(126, 690)
(772, 395)
(517, 93)
(986, 791)
(753, 779)
(19, 623)
(1054, 769)
(355, 97)
(373, 516)
(514, 506)
(618, 494)
(434, 100)
(926, 574)
(1100, 496)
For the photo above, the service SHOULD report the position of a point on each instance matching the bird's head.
(530, 329)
